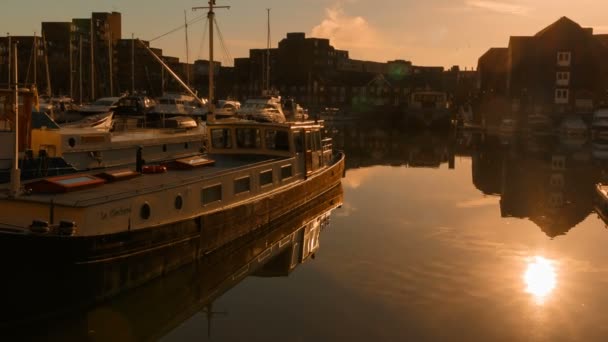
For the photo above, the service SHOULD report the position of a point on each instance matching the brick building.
(561, 69)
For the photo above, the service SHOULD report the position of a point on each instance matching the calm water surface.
(440, 237)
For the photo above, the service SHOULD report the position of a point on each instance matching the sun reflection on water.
(540, 278)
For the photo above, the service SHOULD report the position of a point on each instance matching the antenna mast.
(211, 17)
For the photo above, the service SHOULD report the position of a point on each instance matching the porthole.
(72, 142)
(145, 211)
(179, 202)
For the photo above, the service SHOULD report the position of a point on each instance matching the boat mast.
(46, 65)
(187, 51)
(15, 172)
(267, 86)
(35, 49)
(71, 53)
(110, 61)
(211, 18)
(80, 68)
(171, 72)
(92, 64)
(9, 48)
(132, 63)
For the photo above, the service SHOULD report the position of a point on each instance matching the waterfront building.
(561, 69)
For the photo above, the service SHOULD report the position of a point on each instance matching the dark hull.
(114, 262)
(166, 301)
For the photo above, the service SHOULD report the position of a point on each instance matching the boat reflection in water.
(158, 307)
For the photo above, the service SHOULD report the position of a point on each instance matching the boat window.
(221, 138)
(317, 140)
(277, 140)
(265, 177)
(211, 194)
(286, 172)
(309, 141)
(248, 138)
(297, 138)
(242, 185)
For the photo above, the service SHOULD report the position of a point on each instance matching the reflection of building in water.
(554, 190)
(368, 144)
(487, 168)
(158, 307)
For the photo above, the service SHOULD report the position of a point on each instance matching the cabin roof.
(147, 183)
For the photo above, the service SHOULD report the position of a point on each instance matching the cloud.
(348, 32)
(499, 7)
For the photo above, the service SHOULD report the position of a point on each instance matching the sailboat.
(175, 211)
(269, 107)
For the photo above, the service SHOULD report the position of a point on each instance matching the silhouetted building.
(561, 69)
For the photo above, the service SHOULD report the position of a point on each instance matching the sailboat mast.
(15, 172)
(80, 68)
(92, 63)
(46, 66)
(211, 18)
(10, 53)
(187, 51)
(35, 49)
(268, 54)
(110, 61)
(132, 63)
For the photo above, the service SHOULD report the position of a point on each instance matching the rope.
(200, 49)
(222, 43)
(194, 20)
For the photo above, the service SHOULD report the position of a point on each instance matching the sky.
(427, 32)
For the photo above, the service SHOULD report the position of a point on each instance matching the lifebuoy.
(154, 169)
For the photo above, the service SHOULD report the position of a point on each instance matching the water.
(440, 237)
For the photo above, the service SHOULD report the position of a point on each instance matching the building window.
(564, 58)
(562, 78)
(561, 96)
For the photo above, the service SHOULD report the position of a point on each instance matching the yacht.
(96, 142)
(102, 105)
(293, 110)
(264, 108)
(176, 105)
(226, 109)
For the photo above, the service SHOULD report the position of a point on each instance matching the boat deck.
(144, 183)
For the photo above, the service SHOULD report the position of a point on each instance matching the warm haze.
(433, 32)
